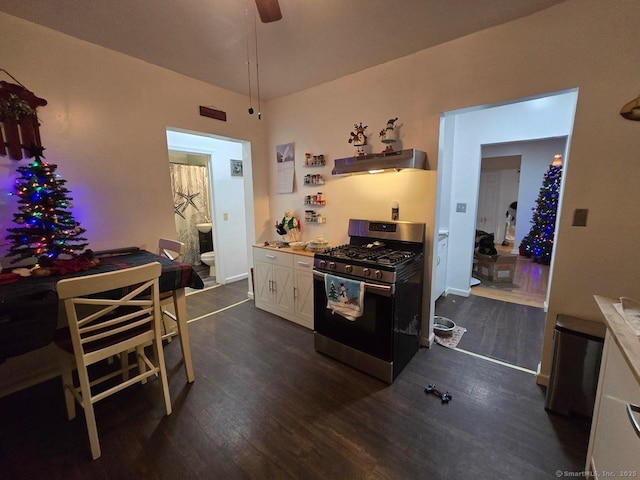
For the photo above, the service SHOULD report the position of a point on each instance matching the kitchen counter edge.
(622, 333)
(285, 249)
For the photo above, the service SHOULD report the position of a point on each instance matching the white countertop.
(284, 249)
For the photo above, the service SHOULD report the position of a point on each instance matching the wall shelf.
(313, 180)
(314, 160)
(311, 216)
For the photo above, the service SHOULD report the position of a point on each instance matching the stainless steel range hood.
(378, 162)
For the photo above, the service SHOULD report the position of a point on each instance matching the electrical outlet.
(461, 207)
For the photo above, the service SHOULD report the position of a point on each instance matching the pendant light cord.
(255, 26)
(246, 24)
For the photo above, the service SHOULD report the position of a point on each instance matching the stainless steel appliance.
(386, 258)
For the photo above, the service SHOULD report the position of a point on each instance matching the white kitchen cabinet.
(614, 444)
(303, 290)
(284, 284)
(274, 280)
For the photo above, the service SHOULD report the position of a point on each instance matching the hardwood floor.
(529, 287)
(504, 331)
(265, 405)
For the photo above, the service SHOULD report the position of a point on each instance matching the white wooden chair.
(173, 250)
(107, 317)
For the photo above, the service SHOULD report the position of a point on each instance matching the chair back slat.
(106, 321)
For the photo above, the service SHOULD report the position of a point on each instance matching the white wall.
(230, 223)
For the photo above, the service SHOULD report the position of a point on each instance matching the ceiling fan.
(269, 10)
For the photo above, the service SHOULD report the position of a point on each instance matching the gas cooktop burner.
(375, 253)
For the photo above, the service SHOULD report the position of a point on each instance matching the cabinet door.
(303, 292)
(264, 284)
(616, 446)
(283, 288)
(441, 267)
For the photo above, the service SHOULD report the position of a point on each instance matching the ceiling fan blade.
(269, 10)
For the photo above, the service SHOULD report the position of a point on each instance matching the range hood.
(378, 162)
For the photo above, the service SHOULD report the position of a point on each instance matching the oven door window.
(371, 333)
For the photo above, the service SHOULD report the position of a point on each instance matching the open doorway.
(463, 134)
(217, 233)
(511, 175)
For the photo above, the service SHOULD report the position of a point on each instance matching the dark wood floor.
(505, 331)
(265, 405)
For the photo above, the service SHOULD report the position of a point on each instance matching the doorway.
(230, 197)
(463, 134)
(513, 173)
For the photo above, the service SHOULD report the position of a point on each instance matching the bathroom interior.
(192, 207)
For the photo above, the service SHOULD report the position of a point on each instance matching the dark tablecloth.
(29, 307)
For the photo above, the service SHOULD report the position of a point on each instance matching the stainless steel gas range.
(368, 297)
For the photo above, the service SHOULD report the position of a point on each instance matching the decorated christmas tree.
(538, 243)
(333, 292)
(46, 227)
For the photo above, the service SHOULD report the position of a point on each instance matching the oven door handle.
(384, 290)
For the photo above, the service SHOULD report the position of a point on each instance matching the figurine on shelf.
(388, 135)
(358, 138)
(289, 227)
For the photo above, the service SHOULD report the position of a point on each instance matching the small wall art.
(236, 168)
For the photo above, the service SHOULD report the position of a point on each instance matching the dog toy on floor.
(445, 397)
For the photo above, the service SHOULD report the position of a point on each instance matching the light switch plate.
(461, 207)
(580, 217)
(225, 216)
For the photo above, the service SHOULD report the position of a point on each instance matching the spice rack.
(311, 160)
(317, 200)
(313, 180)
(311, 216)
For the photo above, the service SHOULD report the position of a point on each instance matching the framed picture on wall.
(236, 168)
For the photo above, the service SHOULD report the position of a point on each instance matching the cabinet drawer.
(272, 256)
(303, 262)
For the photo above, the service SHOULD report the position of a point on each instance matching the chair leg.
(142, 367)
(159, 353)
(89, 414)
(124, 365)
(66, 371)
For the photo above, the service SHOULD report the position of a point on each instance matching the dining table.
(29, 306)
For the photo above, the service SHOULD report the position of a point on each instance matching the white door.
(488, 197)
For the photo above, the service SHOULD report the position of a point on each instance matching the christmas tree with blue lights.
(538, 243)
(46, 226)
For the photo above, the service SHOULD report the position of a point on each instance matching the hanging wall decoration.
(19, 125)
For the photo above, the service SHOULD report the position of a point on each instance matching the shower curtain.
(190, 185)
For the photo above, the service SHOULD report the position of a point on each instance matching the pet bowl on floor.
(443, 326)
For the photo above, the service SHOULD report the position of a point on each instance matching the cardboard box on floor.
(496, 268)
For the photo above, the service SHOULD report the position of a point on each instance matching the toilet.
(209, 258)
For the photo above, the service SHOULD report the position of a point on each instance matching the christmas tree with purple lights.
(538, 243)
(46, 227)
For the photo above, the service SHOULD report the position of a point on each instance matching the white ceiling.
(316, 41)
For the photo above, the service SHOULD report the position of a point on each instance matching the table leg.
(180, 303)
